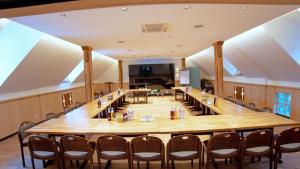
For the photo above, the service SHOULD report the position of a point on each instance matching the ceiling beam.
(89, 4)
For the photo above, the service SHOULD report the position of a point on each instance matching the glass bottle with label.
(181, 113)
(109, 114)
(172, 113)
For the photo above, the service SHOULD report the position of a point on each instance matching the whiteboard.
(184, 77)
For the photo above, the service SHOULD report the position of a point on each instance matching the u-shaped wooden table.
(230, 117)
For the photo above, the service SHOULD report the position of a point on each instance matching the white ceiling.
(270, 51)
(103, 28)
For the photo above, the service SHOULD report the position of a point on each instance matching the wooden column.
(120, 74)
(219, 83)
(88, 73)
(183, 65)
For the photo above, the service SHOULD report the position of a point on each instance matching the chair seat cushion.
(147, 155)
(184, 154)
(290, 147)
(261, 149)
(224, 152)
(76, 154)
(44, 154)
(113, 154)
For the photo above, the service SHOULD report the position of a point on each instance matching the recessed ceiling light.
(121, 41)
(124, 9)
(244, 8)
(186, 7)
(198, 26)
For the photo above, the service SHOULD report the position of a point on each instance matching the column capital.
(86, 48)
(218, 43)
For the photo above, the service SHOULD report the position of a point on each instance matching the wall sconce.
(67, 99)
(239, 93)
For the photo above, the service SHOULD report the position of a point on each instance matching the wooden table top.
(91, 109)
(139, 90)
(231, 117)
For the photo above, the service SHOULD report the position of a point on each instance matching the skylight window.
(78, 70)
(16, 41)
(74, 73)
(230, 68)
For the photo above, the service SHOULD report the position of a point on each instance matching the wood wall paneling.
(33, 108)
(263, 95)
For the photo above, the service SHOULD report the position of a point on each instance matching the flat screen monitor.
(156, 76)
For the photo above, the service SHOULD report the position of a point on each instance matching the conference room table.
(230, 117)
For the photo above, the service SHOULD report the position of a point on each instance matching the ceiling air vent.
(149, 28)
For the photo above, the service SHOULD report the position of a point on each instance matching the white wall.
(176, 61)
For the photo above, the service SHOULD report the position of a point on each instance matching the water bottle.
(181, 113)
(112, 112)
(109, 114)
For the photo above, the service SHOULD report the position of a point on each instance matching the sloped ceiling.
(102, 28)
(47, 63)
(100, 66)
(269, 51)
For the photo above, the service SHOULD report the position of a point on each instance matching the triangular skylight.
(209, 52)
(16, 41)
(74, 74)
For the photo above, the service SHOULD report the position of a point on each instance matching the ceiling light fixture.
(198, 26)
(124, 9)
(244, 8)
(186, 7)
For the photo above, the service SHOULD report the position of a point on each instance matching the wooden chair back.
(146, 144)
(51, 116)
(258, 138)
(25, 126)
(224, 141)
(288, 136)
(266, 109)
(38, 143)
(75, 143)
(186, 142)
(112, 143)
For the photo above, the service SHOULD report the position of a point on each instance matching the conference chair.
(23, 137)
(223, 146)
(258, 144)
(147, 148)
(112, 147)
(77, 148)
(288, 141)
(43, 149)
(51, 116)
(184, 147)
